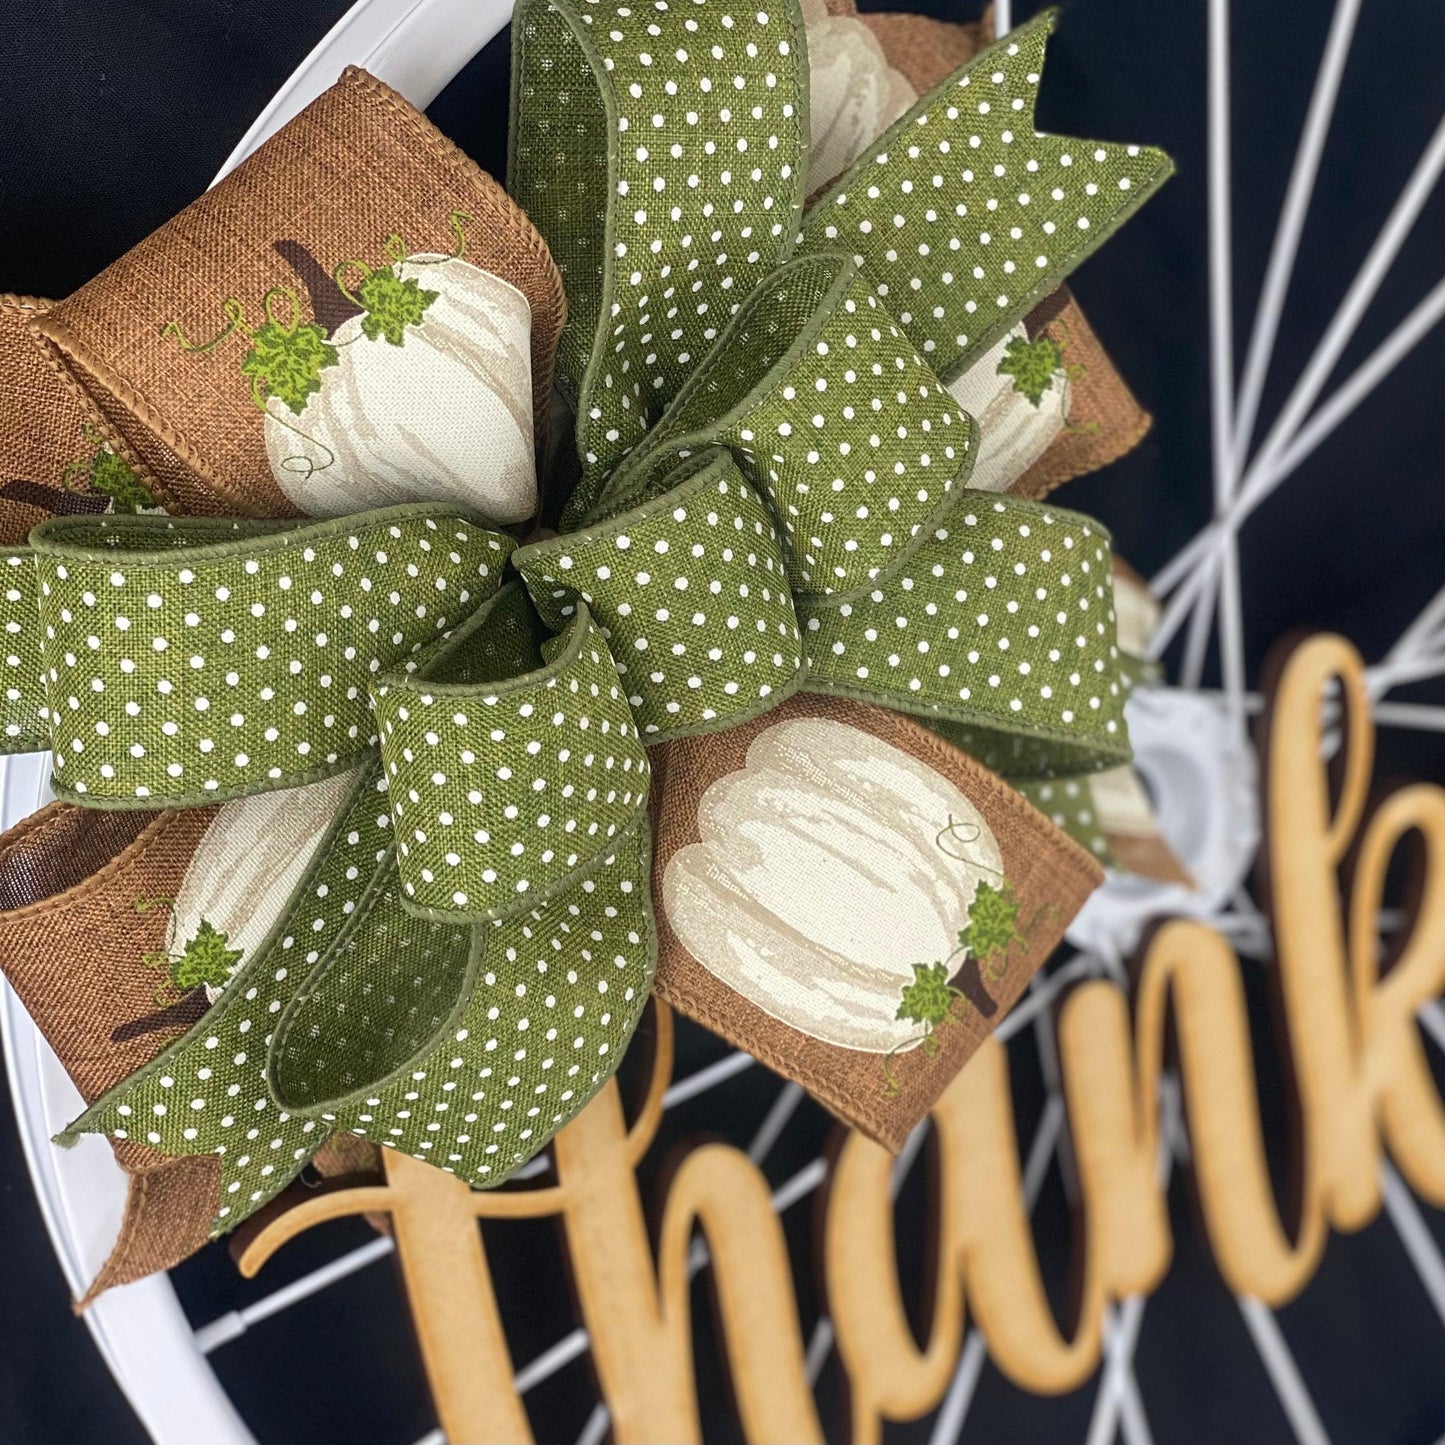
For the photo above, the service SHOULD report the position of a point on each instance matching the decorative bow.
(773, 497)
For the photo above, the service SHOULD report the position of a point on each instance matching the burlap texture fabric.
(1105, 421)
(78, 889)
(925, 50)
(76, 926)
(70, 939)
(360, 162)
(1148, 857)
(49, 436)
(168, 1213)
(355, 168)
(94, 378)
(1049, 874)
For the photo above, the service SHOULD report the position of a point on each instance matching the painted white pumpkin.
(250, 859)
(854, 94)
(1136, 612)
(1013, 432)
(820, 880)
(445, 416)
(1121, 803)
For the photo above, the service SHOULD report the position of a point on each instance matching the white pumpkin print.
(444, 416)
(1137, 613)
(854, 94)
(1121, 804)
(829, 866)
(1013, 432)
(1123, 808)
(249, 861)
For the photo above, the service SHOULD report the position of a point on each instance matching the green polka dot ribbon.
(469, 951)
(189, 660)
(816, 436)
(465, 1044)
(774, 495)
(23, 713)
(965, 217)
(989, 618)
(511, 787)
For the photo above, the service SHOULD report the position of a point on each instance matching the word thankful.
(1363, 1085)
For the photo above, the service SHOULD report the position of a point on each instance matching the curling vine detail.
(946, 990)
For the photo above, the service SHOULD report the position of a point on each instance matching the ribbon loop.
(207, 1092)
(691, 592)
(238, 653)
(999, 634)
(23, 711)
(964, 217)
(698, 111)
(834, 418)
(469, 1045)
(463, 1043)
(774, 497)
(508, 782)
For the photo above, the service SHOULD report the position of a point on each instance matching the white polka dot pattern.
(188, 660)
(541, 1009)
(207, 1092)
(834, 418)
(1068, 803)
(465, 1044)
(692, 595)
(23, 713)
(963, 216)
(502, 792)
(860, 449)
(1004, 623)
(459, 990)
(696, 107)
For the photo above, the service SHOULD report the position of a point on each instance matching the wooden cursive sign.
(1363, 1085)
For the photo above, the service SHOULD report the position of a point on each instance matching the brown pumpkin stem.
(329, 304)
(56, 500)
(1046, 313)
(179, 1015)
(969, 982)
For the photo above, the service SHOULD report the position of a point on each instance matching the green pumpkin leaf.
(205, 959)
(1032, 364)
(927, 999)
(287, 362)
(112, 477)
(992, 926)
(392, 304)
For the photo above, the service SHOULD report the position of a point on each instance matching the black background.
(114, 116)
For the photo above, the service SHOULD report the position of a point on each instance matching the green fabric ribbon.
(774, 496)
(468, 954)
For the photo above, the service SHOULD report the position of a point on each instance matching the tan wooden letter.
(639, 1318)
(448, 1287)
(1307, 840)
(1395, 1069)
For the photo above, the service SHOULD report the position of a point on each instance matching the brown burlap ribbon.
(1103, 419)
(355, 168)
(54, 454)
